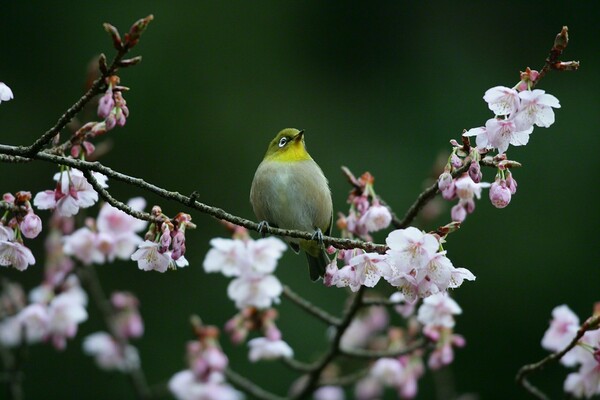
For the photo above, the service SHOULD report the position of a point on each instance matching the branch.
(190, 201)
(553, 62)
(249, 387)
(372, 354)
(310, 307)
(591, 323)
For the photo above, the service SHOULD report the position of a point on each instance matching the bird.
(290, 191)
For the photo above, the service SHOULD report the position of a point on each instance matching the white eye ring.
(283, 141)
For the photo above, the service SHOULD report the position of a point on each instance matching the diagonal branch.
(310, 307)
(591, 323)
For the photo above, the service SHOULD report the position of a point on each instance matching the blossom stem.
(310, 307)
(249, 387)
(521, 378)
(90, 279)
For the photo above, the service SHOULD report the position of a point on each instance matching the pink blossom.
(109, 354)
(562, 330)
(466, 188)
(149, 258)
(443, 354)
(585, 382)
(329, 393)
(264, 349)
(481, 137)
(127, 320)
(10, 331)
(438, 310)
(368, 269)
(502, 132)
(403, 306)
(257, 290)
(5, 93)
(376, 218)
(185, 386)
(65, 313)
(502, 100)
(458, 212)
(31, 225)
(73, 192)
(33, 321)
(410, 248)
(364, 327)
(15, 254)
(84, 245)
(536, 108)
(401, 373)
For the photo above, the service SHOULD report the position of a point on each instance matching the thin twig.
(591, 323)
(346, 379)
(249, 387)
(373, 354)
(310, 307)
(296, 365)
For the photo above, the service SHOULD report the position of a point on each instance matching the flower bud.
(444, 181)
(500, 194)
(475, 172)
(31, 226)
(458, 213)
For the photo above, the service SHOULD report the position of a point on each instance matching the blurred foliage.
(379, 86)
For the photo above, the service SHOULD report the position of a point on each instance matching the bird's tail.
(317, 263)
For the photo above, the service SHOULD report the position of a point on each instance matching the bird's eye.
(283, 141)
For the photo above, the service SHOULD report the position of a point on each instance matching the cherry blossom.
(65, 313)
(438, 310)
(5, 93)
(110, 354)
(502, 100)
(263, 348)
(14, 254)
(536, 109)
(184, 385)
(72, 192)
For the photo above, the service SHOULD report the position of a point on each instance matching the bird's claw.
(318, 237)
(263, 227)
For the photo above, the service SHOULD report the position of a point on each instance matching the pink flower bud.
(458, 213)
(178, 244)
(511, 183)
(110, 121)
(273, 333)
(31, 226)
(500, 194)
(456, 161)
(106, 104)
(450, 192)
(475, 172)
(8, 197)
(444, 181)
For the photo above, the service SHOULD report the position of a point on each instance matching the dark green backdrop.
(378, 86)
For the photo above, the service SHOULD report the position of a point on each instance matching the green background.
(378, 86)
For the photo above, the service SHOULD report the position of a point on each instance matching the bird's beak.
(299, 136)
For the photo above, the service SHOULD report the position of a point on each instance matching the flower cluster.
(72, 192)
(252, 263)
(414, 263)
(113, 351)
(112, 107)
(563, 329)
(164, 246)
(18, 221)
(366, 213)
(268, 347)
(517, 111)
(437, 316)
(53, 315)
(112, 235)
(111, 354)
(204, 378)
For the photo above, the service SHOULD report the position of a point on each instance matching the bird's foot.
(263, 227)
(318, 237)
